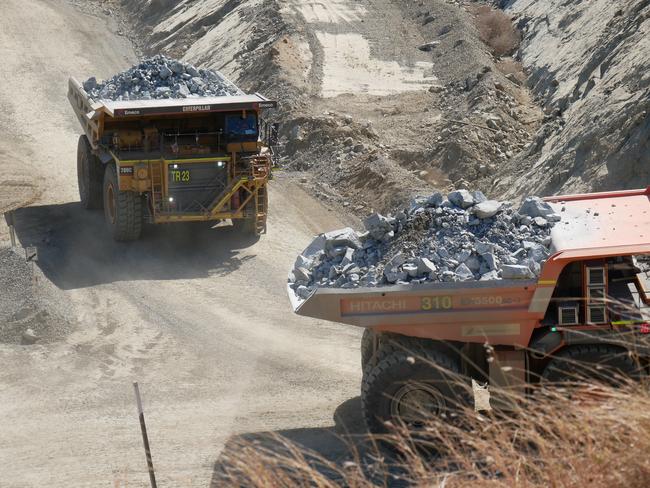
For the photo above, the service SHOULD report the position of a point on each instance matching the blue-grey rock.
(425, 266)
(464, 273)
(303, 292)
(516, 272)
(535, 207)
(164, 72)
(486, 209)
(461, 198)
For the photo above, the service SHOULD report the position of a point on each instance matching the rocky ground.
(567, 111)
(30, 308)
(588, 67)
(369, 119)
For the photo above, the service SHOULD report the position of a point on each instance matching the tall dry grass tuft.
(496, 30)
(592, 436)
(591, 431)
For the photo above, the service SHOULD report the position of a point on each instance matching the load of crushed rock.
(160, 77)
(461, 237)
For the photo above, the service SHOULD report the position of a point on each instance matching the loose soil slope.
(369, 116)
(590, 68)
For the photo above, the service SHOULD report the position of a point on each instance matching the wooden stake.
(9, 218)
(145, 438)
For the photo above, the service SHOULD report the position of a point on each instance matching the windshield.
(240, 128)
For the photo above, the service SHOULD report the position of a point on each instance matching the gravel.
(460, 237)
(160, 77)
(30, 312)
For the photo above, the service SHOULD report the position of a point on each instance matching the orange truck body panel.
(500, 312)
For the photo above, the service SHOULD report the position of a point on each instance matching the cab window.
(240, 128)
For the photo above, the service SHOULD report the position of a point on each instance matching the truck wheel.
(245, 226)
(89, 175)
(367, 346)
(122, 209)
(408, 389)
(387, 344)
(593, 362)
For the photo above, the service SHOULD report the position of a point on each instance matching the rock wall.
(589, 64)
(231, 36)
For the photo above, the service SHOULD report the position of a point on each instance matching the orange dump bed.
(506, 312)
(463, 311)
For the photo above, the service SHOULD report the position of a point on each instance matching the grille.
(596, 295)
(596, 315)
(194, 186)
(568, 314)
(596, 276)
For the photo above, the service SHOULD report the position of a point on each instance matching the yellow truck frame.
(138, 160)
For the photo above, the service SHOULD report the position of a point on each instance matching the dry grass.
(574, 435)
(594, 436)
(496, 30)
(562, 436)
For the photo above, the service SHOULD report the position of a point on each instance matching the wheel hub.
(415, 403)
(110, 197)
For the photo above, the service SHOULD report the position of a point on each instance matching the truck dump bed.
(463, 311)
(92, 114)
(593, 226)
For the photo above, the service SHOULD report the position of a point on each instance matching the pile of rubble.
(461, 237)
(161, 77)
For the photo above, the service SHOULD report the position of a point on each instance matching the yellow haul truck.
(174, 160)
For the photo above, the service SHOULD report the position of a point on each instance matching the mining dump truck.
(590, 305)
(174, 160)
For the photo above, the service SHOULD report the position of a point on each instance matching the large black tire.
(387, 343)
(122, 209)
(429, 376)
(245, 226)
(90, 175)
(593, 362)
(367, 349)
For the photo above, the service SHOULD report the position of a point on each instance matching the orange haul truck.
(590, 303)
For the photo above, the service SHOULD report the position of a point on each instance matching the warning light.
(644, 328)
(553, 329)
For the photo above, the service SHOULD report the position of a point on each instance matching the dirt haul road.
(197, 316)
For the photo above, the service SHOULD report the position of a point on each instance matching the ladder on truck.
(261, 172)
(155, 170)
(261, 201)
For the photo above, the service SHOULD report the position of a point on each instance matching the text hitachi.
(377, 306)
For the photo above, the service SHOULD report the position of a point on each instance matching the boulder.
(486, 209)
(346, 237)
(164, 72)
(516, 272)
(535, 207)
(464, 273)
(425, 266)
(461, 198)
